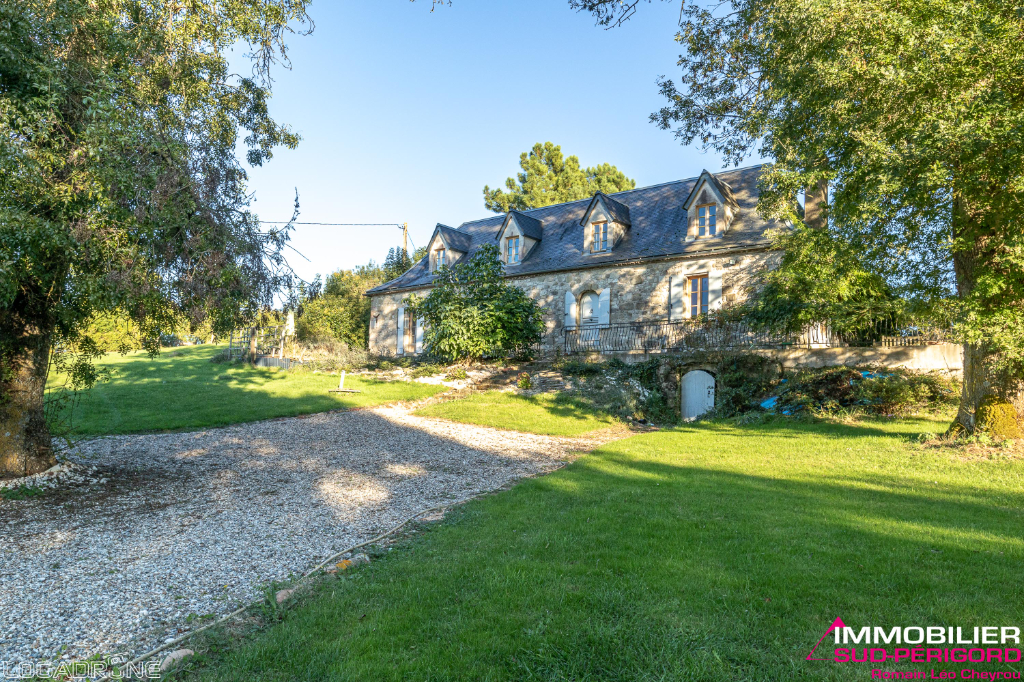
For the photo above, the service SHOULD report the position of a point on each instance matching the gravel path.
(191, 524)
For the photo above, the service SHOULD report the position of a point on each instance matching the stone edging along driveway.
(189, 525)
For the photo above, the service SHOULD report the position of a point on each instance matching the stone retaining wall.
(940, 357)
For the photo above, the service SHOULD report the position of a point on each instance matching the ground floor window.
(409, 331)
(698, 290)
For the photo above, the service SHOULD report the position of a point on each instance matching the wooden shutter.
(604, 306)
(714, 289)
(419, 336)
(570, 310)
(676, 298)
(400, 345)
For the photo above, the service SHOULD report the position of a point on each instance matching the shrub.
(742, 382)
(473, 312)
(524, 381)
(889, 392)
(330, 356)
(621, 389)
(581, 368)
(1000, 417)
(456, 374)
(896, 392)
(426, 370)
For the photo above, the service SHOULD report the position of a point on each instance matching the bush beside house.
(472, 312)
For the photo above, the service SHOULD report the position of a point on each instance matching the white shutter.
(604, 305)
(676, 298)
(400, 346)
(419, 336)
(714, 289)
(570, 310)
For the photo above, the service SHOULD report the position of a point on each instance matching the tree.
(473, 312)
(549, 178)
(396, 263)
(342, 313)
(910, 112)
(120, 190)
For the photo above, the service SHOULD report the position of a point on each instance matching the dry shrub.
(330, 356)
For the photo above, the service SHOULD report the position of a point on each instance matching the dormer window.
(599, 243)
(512, 250)
(707, 220)
(440, 257)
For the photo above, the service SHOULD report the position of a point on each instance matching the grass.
(181, 389)
(706, 552)
(554, 415)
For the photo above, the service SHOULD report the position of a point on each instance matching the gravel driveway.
(191, 524)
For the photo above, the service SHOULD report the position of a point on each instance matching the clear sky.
(406, 114)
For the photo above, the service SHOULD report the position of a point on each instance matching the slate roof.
(658, 230)
(531, 227)
(619, 211)
(456, 240)
(723, 189)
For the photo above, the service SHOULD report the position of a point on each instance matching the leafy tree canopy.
(912, 112)
(120, 190)
(550, 178)
(474, 312)
(342, 313)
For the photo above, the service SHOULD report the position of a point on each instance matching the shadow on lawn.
(786, 427)
(631, 564)
(189, 392)
(739, 573)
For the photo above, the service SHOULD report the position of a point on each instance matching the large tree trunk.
(980, 387)
(975, 387)
(25, 446)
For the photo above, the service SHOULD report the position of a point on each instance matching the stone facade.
(638, 292)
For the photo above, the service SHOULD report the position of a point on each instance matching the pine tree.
(550, 178)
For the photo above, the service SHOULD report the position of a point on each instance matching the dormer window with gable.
(518, 236)
(605, 224)
(447, 246)
(710, 208)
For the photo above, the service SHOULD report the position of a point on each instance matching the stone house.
(642, 259)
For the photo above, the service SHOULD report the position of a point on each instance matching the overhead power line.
(404, 227)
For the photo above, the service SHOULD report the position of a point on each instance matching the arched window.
(589, 314)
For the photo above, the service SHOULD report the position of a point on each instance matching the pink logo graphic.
(838, 623)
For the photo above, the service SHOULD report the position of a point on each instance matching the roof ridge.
(613, 194)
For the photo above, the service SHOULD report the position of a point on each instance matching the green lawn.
(182, 389)
(707, 552)
(542, 413)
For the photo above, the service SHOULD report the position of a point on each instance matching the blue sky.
(406, 114)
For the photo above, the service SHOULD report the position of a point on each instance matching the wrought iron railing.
(654, 337)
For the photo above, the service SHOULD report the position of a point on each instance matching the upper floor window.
(707, 220)
(439, 258)
(600, 240)
(698, 291)
(512, 250)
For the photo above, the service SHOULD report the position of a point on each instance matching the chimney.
(816, 205)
